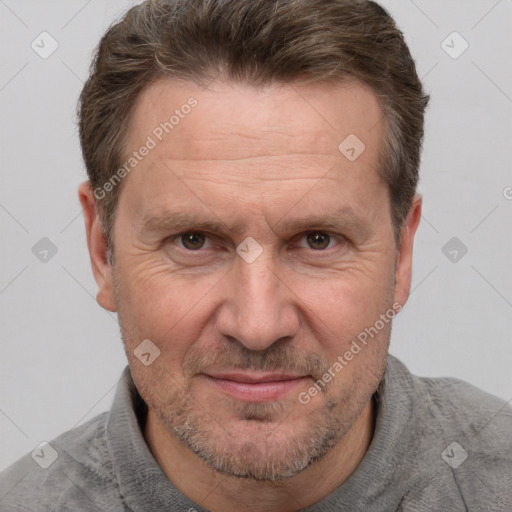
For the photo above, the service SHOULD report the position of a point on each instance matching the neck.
(218, 492)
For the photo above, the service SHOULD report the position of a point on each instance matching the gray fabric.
(105, 465)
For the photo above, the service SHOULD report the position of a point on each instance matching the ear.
(404, 252)
(97, 245)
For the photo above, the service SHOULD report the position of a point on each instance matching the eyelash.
(340, 239)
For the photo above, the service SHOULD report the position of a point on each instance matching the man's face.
(243, 339)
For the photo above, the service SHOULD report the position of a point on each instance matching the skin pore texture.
(241, 339)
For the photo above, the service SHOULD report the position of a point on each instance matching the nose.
(258, 309)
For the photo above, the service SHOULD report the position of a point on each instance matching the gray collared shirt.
(439, 445)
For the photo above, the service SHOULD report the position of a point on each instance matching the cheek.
(344, 311)
(351, 299)
(161, 305)
(353, 337)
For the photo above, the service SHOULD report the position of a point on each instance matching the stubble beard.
(269, 455)
(272, 451)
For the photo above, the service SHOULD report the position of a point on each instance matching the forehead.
(253, 155)
(236, 121)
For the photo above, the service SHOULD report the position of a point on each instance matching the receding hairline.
(221, 82)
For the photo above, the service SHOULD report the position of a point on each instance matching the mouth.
(256, 386)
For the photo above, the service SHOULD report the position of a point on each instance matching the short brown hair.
(255, 42)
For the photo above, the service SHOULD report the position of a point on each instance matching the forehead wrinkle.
(269, 169)
(291, 155)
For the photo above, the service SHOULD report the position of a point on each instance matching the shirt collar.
(375, 485)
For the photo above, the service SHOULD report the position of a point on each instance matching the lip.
(256, 387)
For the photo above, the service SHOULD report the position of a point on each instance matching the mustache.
(277, 357)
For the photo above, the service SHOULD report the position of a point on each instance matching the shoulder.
(72, 472)
(477, 427)
(453, 403)
(462, 408)
(467, 438)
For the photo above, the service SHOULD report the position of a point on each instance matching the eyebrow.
(345, 217)
(174, 222)
(180, 221)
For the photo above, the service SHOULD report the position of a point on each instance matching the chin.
(260, 444)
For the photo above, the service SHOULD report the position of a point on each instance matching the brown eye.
(192, 241)
(318, 240)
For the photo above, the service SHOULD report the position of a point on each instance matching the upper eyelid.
(331, 235)
(212, 237)
(178, 235)
(195, 231)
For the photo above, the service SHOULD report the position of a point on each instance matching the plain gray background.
(62, 354)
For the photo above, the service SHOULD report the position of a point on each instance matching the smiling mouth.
(256, 387)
